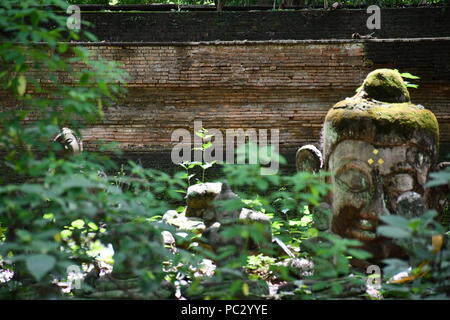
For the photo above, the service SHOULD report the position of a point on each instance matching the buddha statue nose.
(369, 217)
(411, 204)
(377, 205)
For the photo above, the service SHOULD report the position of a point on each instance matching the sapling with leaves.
(407, 75)
(203, 164)
(404, 75)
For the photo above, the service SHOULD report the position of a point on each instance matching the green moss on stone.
(382, 114)
(386, 85)
(394, 116)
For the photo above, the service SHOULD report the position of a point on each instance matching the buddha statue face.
(379, 149)
(70, 144)
(369, 181)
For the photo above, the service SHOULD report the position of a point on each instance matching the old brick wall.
(269, 83)
(272, 85)
(284, 86)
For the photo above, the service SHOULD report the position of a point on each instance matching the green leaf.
(76, 182)
(395, 220)
(393, 232)
(319, 285)
(194, 164)
(394, 266)
(207, 145)
(62, 47)
(408, 75)
(104, 88)
(245, 289)
(79, 224)
(66, 234)
(208, 165)
(336, 287)
(21, 85)
(263, 185)
(200, 134)
(84, 79)
(92, 226)
(359, 254)
(24, 235)
(439, 178)
(40, 264)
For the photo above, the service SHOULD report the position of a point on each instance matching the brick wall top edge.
(258, 42)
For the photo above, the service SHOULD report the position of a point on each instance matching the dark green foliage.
(55, 210)
(427, 243)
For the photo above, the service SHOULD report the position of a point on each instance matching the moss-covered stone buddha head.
(379, 149)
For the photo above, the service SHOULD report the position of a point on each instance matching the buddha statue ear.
(309, 158)
(69, 142)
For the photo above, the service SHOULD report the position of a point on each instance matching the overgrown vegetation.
(59, 214)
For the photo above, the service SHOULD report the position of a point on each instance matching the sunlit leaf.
(21, 85)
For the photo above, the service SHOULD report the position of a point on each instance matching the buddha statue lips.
(379, 149)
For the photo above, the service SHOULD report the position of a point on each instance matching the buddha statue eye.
(353, 180)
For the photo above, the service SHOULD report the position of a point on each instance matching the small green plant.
(204, 165)
(407, 75)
